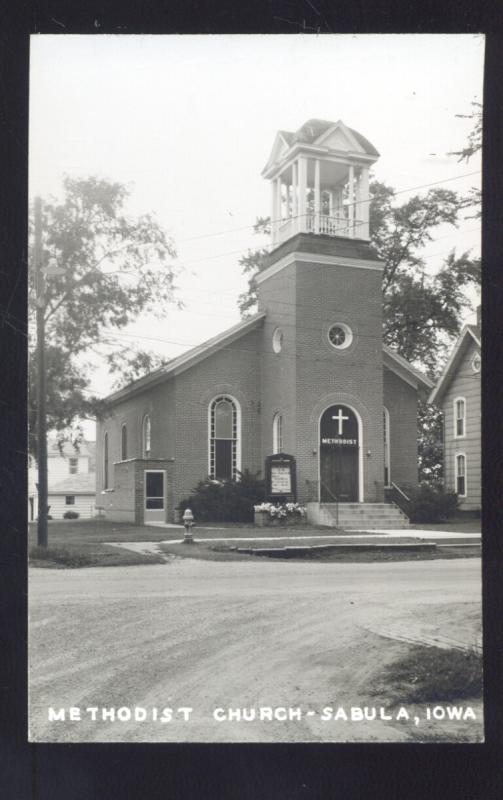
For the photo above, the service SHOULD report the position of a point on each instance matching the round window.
(340, 335)
(277, 340)
(476, 363)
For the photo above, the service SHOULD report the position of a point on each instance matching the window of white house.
(461, 474)
(277, 434)
(223, 455)
(146, 436)
(73, 465)
(123, 443)
(459, 416)
(70, 500)
(387, 473)
(476, 362)
(105, 461)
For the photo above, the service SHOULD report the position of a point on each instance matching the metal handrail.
(336, 500)
(395, 486)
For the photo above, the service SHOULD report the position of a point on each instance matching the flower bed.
(278, 513)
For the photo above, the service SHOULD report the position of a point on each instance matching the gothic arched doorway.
(339, 455)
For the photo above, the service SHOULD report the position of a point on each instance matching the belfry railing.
(327, 225)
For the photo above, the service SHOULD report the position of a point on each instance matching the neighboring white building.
(458, 394)
(71, 480)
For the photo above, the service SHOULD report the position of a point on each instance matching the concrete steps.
(358, 516)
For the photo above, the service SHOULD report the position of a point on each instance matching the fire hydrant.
(188, 521)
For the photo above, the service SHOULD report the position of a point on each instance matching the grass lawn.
(430, 674)
(81, 543)
(218, 551)
(88, 543)
(454, 526)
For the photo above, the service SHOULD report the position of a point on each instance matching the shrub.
(432, 505)
(71, 515)
(225, 501)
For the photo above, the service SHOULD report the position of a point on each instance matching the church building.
(308, 375)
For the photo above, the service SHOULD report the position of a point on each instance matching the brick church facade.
(307, 375)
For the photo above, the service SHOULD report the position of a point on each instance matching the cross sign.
(339, 418)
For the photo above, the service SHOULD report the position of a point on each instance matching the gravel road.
(221, 635)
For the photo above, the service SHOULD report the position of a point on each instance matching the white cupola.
(320, 181)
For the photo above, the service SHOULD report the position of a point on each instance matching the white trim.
(105, 478)
(451, 361)
(455, 417)
(277, 340)
(238, 430)
(387, 447)
(360, 448)
(124, 426)
(317, 258)
(472, 363)
(144, 438)
(357, 148)
(277, 433)
(165, 493)
(359, 158)
(348, 333)
(456, 476)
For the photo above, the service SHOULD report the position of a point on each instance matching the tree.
(116, 268)
(472, 147)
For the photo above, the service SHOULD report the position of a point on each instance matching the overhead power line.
(368, 199)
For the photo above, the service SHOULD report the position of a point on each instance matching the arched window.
(224, 439)
(277, 434)
(387, 470)
(105, 462)
(123, 443)
(146, 436)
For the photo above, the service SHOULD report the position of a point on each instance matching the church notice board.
(280, 475)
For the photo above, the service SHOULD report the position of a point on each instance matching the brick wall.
(125, 501)
(309, 375)
(401, 401)
(234, 370)
(277, 297)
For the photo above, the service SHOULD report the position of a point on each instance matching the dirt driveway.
(214, 636)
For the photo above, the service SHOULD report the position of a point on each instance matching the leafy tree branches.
(116, 269)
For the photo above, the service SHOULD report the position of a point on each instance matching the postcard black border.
(234, 771)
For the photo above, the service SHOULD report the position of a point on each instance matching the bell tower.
(319, 179)
(322, 369)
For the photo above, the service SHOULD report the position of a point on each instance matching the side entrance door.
(155, 496)
(339, 454)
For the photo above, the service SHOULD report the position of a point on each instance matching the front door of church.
(339, 451)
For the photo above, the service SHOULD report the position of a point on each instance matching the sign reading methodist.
(339, 427)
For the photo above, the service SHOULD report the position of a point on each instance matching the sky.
(188, 122)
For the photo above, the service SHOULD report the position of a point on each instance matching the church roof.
(404, 369)
(188, 359)
(83, 483)
(316, 136)
(391, 360)
(470, 333)
(313, 129)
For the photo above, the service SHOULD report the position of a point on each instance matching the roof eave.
(442, 385)
(415, 378)
(188, 359)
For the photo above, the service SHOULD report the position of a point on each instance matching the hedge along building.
(307, 375)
